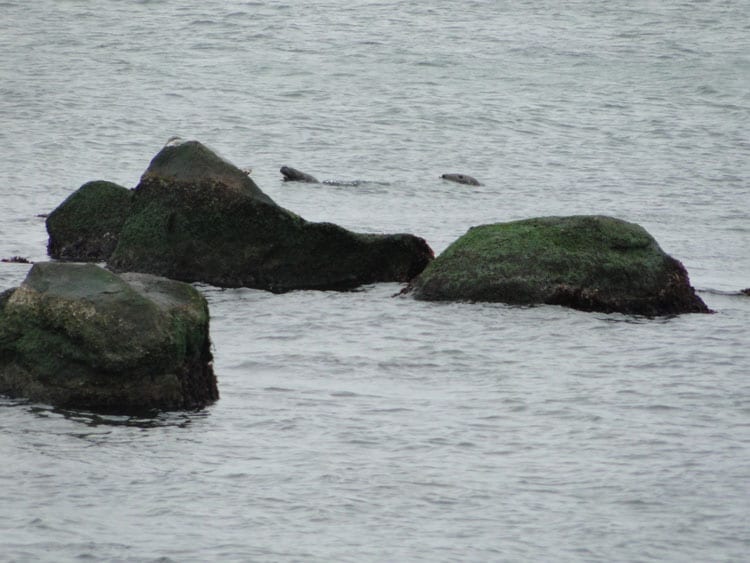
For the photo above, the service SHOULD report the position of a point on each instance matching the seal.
(461, 179)
(293, 175)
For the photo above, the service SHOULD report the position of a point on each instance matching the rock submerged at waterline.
(85, 227)
(78, 336)
(196, 217)
(591, 263)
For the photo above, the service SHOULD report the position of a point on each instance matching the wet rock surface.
(592, 263)
(79, 336)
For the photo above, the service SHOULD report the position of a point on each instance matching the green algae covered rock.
(79, 336)
(208, 222)
(85, 227)
(592, 263)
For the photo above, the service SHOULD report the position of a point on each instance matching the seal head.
(293, 175)
(461, 179)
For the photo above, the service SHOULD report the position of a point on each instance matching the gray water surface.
(358, 426)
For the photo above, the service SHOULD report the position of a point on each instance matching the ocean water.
(362, 427)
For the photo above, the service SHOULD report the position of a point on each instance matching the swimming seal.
(461, 179)
(293, 175)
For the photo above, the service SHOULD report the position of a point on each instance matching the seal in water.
(461, 179)
(293, 175)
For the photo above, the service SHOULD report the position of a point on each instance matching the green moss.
(574, 250)
(78, 334)
(86, 225)
(213, 233)
(586, 261)
(105, 323)
(196, 217)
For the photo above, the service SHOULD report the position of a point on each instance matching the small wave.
(278, 389)
(657, 407)
(344, 394)
(203, 22)
(712, 291)
(354, 183)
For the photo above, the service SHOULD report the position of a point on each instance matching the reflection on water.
(151, 419)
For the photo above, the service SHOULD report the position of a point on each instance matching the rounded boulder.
(587, 262)
(79, 336)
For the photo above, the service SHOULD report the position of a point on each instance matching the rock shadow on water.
(145, 419)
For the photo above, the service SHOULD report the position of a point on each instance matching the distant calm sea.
(361, 427)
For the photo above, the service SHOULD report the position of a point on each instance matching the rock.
(746, 291)
(85, 227)
(196, 217)
(592, 263)
(79, 336)
(191, 162)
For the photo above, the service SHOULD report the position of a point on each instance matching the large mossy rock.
(593, 263)
(79, 336)
(196, 217)
(85, 227)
